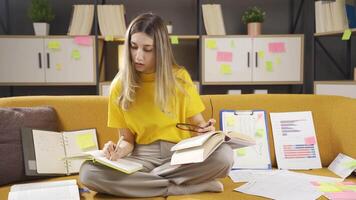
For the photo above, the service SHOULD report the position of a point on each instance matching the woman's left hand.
(207, 127)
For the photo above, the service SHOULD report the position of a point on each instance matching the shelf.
(353, 82)
(332, 33)
(181, 37)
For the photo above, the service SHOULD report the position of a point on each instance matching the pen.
(118, 144)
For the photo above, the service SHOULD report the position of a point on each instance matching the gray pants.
(157, 175)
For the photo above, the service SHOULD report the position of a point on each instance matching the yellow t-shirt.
(145, 119)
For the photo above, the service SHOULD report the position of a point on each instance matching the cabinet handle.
(39, 61)
(48, 62)
(248, 59)
(256, 55)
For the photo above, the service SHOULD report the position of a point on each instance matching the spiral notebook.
(45, 151)
(254, 124)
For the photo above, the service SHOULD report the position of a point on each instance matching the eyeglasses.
(188, 127)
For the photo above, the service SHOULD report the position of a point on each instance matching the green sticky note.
(241, 152)
(76, 54)
(329, 188)
(347, 34)
(232, 44)
(261, 54)
(349, 164)
(278, 60)
(348, 187)
(269, 66)
(174, 40)
(260, 132)
(54, 45)
(109, 38)
(58, 67)
(211, 44)
(225, 69)
(85, 141)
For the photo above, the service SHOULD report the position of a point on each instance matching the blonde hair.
(166, 83)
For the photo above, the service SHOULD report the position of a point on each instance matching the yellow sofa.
(334, 118)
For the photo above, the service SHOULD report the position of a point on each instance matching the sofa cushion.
(11, 121)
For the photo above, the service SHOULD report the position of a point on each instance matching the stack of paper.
(112, 20)
(82, 20)
(213, 19)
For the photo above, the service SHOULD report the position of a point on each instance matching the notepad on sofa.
(123, 165)
(45, 150)
(197, 149)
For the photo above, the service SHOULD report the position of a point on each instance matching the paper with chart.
(343, 165)
(295, 142)
(252, 123)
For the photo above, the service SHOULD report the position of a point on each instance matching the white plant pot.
(170, 29)
(41, 28)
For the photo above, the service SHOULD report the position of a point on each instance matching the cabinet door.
(226, 60)
(277, 59)
(21, 60)
(68, 62)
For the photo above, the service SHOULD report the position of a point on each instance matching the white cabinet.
(273, 59)
(46, 61)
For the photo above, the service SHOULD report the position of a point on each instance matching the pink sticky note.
(223, 56)
(343, 195)
(309, 140)
(347, 183)
(276, 47)
(315, 183)
(83, 40)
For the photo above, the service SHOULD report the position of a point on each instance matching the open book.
(197, 149)
(44, 150)
(123, 164)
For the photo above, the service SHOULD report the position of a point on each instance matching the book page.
(57, 190)
(76, 143)
(193, 141)
(49, 152)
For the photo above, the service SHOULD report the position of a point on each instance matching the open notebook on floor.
(197, 149)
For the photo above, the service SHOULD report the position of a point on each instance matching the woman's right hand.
(112, 152)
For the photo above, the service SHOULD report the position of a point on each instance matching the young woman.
(148, 97)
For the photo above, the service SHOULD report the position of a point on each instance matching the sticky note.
(109, 38)
(54, 45)
(309, 140)
(174, 40)
(85, 140)
(232, 44)
(230, 121)
(75, 54)
(349, 164)
(211, 44)
(269, 66)
(224, 56)
(348, 188)
(241, 152)
(260, 132)
(342, 195)
(276, 47)
(347, 34)
(261, 54)
(278, 60)
(314, 183)
(83, 40)
(225, 69)
(58, 67)
(329, 188)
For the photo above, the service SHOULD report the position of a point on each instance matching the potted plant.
(41, 14)
(253, 17)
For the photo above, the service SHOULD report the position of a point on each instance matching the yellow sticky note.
(76, 54)
(278, 60)
(349, 164)
(54, 45)
(225, 69)
(58, 67)
(269, 66)
(260, 132)
(348, 187)
(347, 34)
(109, 38)
(329, 188)
(230, 121)
(241, 152)
(85, 140)
(211, 44)
(232, 44)
(174, 40)
(261, 54)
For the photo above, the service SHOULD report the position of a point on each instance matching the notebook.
(123, 164)
(197, 149)
(254, 124)
(44, 150)
(54, 190)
